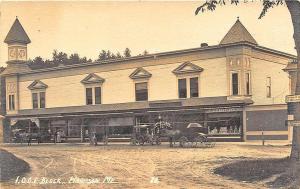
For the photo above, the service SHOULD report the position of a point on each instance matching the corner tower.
(17, 41)
(238, 42)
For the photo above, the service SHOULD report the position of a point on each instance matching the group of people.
(58, 135)
(234, 129)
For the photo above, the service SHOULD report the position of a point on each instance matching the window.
(141, 91)
(93, 95)
(11, 103)
(182, 88)
(35, 102)
(42, 100)
(38, 100)
(247, 79)
(194, 91)
(89, 96)
(235, 83)
(269, 87)
(97, 95)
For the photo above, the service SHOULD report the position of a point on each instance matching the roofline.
(156, 55)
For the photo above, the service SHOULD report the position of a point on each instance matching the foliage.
(58, 58)
(212, 4)
(61, 58)
(127, 52)
(2, 69)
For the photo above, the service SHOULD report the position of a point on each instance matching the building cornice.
(159, 55)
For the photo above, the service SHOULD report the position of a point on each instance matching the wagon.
(192, 136)
(144, 134)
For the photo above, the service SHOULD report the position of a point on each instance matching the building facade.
(235, 89)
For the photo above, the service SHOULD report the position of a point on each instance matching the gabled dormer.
(187, 67)
(140, 73)
(92, 79)
(37, 84)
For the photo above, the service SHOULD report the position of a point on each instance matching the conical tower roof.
(17, 34)
(238, 33)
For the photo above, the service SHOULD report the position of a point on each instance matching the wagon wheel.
(141, 140)
(133, 141)
(199, 140)
(157, 140)
(105, 140)
(182, 141)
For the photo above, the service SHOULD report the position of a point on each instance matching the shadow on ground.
(11, 166)
(259, 170)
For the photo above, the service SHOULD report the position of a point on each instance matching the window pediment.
(187, 67)
(92, 78)
(37, 84)
(140, 73)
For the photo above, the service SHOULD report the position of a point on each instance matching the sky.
(158, 26)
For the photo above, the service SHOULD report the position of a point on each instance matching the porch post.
(1, 129)
(81, 130)
(244, 126)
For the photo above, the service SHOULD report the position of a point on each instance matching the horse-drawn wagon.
(144, 134)
(191, 136)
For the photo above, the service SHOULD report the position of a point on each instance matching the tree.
(102, 55)
(119, 55)
(293, 7)
(2, 69)
(74, 59)
(145, 52)
(59, 58)
(127, 52)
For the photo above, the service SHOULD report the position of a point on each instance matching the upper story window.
(269, 89)
(38, 100)
(141, 78)
(235, 83)
(248, 83)
(188, 80)
(182, 91)
(141, 91)
(11, 102)
(38, 93)
(194, 87)
(93, 95)
(93, 89)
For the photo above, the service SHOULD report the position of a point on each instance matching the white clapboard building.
(235, 89)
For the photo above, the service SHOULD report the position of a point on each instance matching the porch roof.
(132, 106)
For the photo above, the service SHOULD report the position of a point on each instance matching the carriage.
(192, 136)
(21, 136)
(144, 134)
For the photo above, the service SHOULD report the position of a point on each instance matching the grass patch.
(11, 166)
(253, 170)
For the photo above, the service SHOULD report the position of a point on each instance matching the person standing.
(95, 139)
(29, 140)
(55, 137)
(58, 137)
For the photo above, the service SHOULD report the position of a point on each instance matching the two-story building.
(235, 89)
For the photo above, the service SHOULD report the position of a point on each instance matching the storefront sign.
(293, 123)
(216, 110)
(292, 98)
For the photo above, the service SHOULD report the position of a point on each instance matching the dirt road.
(124, 166)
